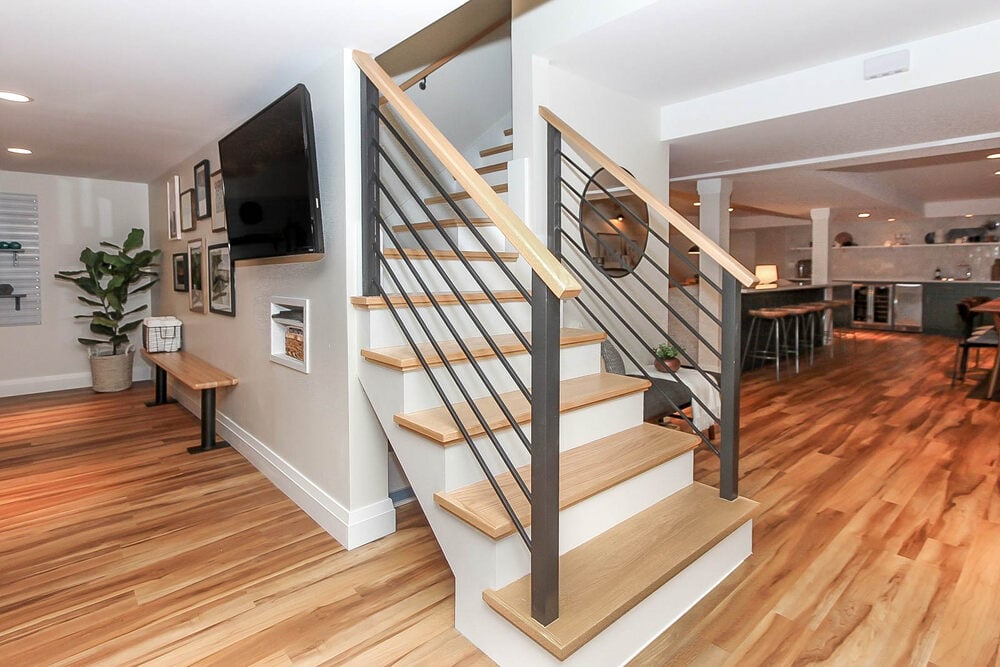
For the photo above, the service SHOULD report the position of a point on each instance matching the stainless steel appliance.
(896, 306)
(804, 268)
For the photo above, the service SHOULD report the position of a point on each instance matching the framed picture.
(196, 295)
(202, 196)
(173, 208)
(221, 289)
(218, 202)
(187, 210)
(181, 272)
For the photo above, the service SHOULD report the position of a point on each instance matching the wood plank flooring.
(878, 540)
(117, 547)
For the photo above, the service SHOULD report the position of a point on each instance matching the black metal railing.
(393, 170)
(621, 307)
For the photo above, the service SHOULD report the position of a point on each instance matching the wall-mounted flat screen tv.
(271, 185)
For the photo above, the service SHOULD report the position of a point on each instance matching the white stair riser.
(462, 237)
(620, 642)
(593, 516)
(419, 392)
(492, 276)
(379, 328)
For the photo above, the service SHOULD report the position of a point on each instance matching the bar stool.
(802, 316)
(813, 325)
(843, 334)
(778, 317)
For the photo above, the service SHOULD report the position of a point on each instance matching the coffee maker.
(804, 269)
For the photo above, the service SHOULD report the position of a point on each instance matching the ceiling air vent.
(896, 62)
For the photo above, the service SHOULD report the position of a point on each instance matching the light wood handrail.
(695, 235)
(447, 58)
(549, 269)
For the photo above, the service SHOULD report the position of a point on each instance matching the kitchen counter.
(786, 288)
(947, 281)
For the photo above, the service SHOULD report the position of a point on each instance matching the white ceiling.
(123, 89)
(671, 51)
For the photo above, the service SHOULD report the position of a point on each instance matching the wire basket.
(294, 343)
(162, 335)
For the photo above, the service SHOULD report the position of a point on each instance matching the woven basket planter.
(112, 372)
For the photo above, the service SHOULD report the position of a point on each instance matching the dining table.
(992, 308)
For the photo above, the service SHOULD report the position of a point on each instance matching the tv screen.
(272, 191)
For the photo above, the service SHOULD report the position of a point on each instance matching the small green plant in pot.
(108, 279)
(666, 357)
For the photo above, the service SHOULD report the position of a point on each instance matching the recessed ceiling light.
(968, 215)
(13, 97)
(864, 215)
(19, 151)
(697, 203)
(892, 219)
(993, 156)
(731, 209)
(997, 173)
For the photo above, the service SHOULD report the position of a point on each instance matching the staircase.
(455, 374)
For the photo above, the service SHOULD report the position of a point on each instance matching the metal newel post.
(545, 417)
(369, 188)
(729, 450)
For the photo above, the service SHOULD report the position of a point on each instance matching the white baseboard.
(352, 528)
(42, 384)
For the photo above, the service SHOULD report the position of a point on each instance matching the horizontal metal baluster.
(642, 311)
(473, 362)
(475, 275)
(451, 202)
(593, 316)
(652, 232)
(680, 254)
(649, 288)
(454, 415)
(461, 300)
(625, 323)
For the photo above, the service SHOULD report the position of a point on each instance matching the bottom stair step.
(601, 580)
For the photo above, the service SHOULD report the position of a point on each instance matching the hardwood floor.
(878, 541)
(117, 547)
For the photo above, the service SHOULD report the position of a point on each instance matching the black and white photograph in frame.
(187, 210)
(196, 270)
(202, 195)
(221, 290)
(218, 203)
(173, 208)
(180, 272)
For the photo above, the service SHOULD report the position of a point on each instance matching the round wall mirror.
(613, 227)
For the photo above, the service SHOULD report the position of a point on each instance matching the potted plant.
(109, 279)
(666, 357)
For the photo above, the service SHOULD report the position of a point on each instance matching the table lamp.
(767, 274)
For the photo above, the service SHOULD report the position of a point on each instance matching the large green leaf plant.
(109, 278)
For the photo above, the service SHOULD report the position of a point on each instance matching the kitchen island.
(790, 295)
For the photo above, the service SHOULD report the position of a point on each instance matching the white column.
(713, 217)
(820, 245)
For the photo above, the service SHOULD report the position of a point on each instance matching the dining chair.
(973, 338)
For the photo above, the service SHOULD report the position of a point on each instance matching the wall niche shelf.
(290, 332)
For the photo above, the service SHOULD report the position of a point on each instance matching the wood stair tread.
(601, 580)
(448, 223)
(421, 299)
(469, 255)
(437, 424)
(584, 472)
(496, 150)
(463, 194)
(402, 357)
(492, 168)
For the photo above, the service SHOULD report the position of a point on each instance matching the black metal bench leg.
(161, 390)
(208, 441)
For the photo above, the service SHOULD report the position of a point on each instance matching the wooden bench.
(198, 374)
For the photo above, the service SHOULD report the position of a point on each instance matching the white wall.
(624, 128)
(314, 435)
(72, 213)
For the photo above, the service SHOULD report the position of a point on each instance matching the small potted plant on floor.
(666, 357)
(109, 279)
